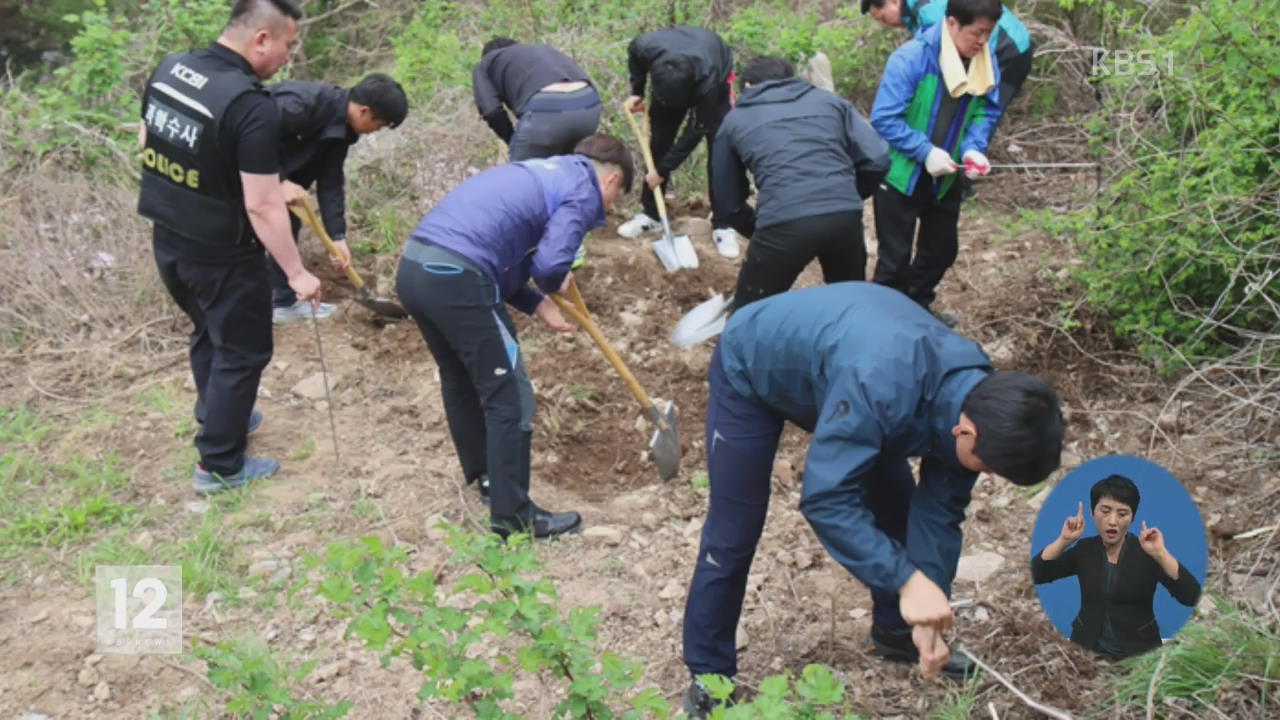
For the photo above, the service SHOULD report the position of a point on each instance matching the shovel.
(665, 442)
(306, 212)
(673, 251)
(704, 322)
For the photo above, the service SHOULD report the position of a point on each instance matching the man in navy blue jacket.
(877, 380)
(476, 251)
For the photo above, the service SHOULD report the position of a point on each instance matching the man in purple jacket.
(476, 250)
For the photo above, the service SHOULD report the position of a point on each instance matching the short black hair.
(868, 4)
(1019, 422)
(673, 80)
(764, 69)
(242, 10)
(497, 43)
(384, 96)
(966, 11)
(609, 150)
(1117, 487)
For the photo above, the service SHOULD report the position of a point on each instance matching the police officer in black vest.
(211, 185)
(318, 125)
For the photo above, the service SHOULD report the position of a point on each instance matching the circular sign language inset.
(1119, 555)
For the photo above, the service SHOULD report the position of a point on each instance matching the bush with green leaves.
(259, 685)
(1182, 247)
(473, 636)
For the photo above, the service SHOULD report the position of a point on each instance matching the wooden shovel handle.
(577, 309)
(306, 212)
(643, 138)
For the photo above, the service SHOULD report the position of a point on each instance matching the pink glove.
(975, 164)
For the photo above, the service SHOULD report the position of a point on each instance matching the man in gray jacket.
(814, 158)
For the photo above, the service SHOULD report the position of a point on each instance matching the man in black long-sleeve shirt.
(552, 97)
(318, 125)
(692, 72)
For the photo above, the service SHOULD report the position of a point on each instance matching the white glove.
(975, 164)
(939, 162)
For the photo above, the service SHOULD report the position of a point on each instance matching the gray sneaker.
(205, 482)
(300, 310)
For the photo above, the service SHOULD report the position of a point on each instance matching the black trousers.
(488, 399)
(779, 253)
(936, 241)
(230, 309)
(281, 294)
(664, 125)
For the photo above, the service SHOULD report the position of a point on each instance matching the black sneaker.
(482, 484)
(697, 703)
(896, 646)
(543, 524)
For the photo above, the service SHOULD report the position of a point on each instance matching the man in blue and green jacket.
(937, 106)
(1011, 42)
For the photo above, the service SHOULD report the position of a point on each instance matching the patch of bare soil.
(589, 455)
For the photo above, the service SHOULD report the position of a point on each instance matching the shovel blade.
(665, 249)
(665, 443)
(703, 322)
(684, 252)
(381, 306)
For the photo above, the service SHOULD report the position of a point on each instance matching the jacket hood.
(775, 91)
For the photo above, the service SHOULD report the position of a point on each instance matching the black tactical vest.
(186, 179)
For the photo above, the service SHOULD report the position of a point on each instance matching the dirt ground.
(589, 447)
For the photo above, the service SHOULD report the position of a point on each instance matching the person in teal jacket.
(876, 380)
(1010, 42)
(937, 106)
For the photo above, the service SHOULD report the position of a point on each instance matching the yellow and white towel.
(979, 79)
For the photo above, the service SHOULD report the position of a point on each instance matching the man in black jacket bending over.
(318, 125)
(551, 96)
(814, 158)
(692, 72)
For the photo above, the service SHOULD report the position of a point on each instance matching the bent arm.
(1175, 577)
(264, 203)
(1053, 563)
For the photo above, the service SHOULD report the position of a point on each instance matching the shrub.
(1182, 247)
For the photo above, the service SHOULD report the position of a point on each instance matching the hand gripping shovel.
(306, 212)
(673, 251)
(665, 443)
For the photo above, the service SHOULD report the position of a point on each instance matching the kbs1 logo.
(1128, 63)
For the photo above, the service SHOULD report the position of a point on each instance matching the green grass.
(305, 450)
(49, 506)
(582, 393)
(161, 398)
(959, 702)
(700, 480)
(1233, 651)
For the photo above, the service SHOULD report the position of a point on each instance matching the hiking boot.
(255, 422)
(638, 225)
(205, 482)
(896, 646)
(697, 703)
(726, 242)
(946, 318)
(542, 524)
(300, 310)
(482, 484)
